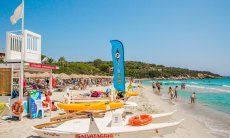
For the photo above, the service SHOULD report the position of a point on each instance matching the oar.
(64, 120)
(104, 111)
(53, 123)
(67, 115)
(75, 114)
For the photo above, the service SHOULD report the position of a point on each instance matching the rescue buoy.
(17, 108)
(140, 120)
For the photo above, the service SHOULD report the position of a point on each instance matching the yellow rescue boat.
(90, 106)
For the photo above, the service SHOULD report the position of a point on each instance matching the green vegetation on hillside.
(132, 69)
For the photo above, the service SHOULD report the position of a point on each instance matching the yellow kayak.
(131, 93)
(89, 106)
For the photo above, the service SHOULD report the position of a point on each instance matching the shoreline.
(198, 129)
(215, 121)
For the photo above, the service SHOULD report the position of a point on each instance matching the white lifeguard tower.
(22, 49)
(23, 54)
(31, 52)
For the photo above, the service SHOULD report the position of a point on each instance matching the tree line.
(132, 69)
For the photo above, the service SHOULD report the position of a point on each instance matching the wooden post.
(50, 81)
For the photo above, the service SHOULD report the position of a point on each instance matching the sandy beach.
(147, 103)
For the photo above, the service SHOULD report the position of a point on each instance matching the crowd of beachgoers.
(60, 84)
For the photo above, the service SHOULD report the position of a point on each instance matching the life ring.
(17, 108)
(140, 120)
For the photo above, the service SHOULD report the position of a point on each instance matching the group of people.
(84, 83)
(173, 92)
(30, 84)
(156, 88)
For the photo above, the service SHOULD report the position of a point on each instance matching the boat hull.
(89, 106)
(148, 133)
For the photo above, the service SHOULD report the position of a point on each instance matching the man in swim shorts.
(193, 96)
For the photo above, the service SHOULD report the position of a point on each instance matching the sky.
(180, 33)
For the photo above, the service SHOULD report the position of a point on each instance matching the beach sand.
(147, 103)
(190, 128)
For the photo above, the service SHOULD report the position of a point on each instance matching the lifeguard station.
(23, 54)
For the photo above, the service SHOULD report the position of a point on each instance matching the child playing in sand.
(193, 96)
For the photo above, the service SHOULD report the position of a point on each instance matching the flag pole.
(23, 15)
(22, 56)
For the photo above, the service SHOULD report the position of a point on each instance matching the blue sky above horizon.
(188, 34)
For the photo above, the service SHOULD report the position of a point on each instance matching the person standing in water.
(175, 92)
(170, 92)
(193, 96)
(158, 86)
(153, 86)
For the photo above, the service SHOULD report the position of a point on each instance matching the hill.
(132, 69)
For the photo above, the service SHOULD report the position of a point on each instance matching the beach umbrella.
(86, 76)
(72, 76)
(55, 75)
(90, 76)
(44, 75)
(28, 75)
(63, 76)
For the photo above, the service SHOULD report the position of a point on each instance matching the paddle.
(67, 115)
(79, 113)
(59, 121)
(59, 118)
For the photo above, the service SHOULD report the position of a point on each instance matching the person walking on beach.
(193, 96)
(175, 92)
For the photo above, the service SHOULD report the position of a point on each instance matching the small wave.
(195, 86)
(216, 130)
(209, 88)
(194, 83)
(228, 86)
(219, 89)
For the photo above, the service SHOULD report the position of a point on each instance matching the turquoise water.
(214, 93)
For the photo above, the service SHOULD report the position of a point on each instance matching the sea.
(212, 106)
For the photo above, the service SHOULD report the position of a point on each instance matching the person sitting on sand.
(47, 101)
(193, 96)
(67, 98)
(107, 92)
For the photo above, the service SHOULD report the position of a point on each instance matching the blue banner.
(118, 65)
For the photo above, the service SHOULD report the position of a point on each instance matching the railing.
(31, 50)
